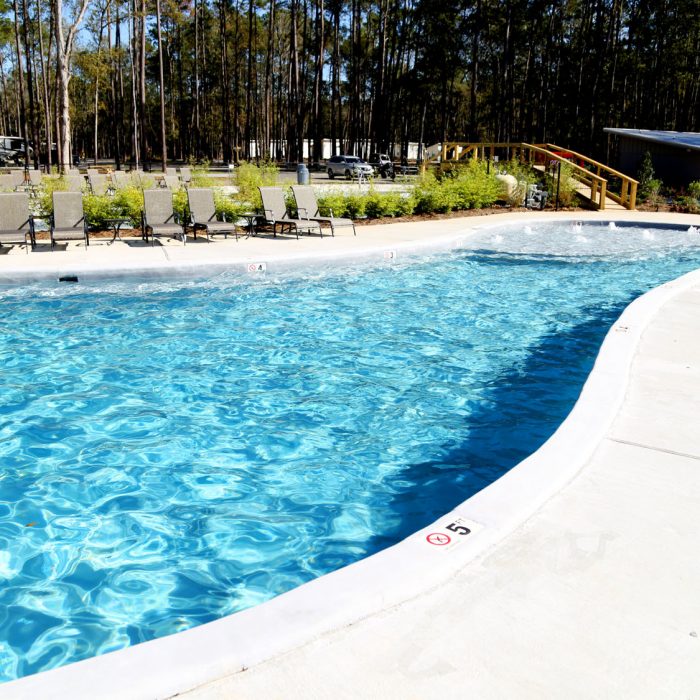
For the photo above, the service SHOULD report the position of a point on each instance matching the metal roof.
(680, 139)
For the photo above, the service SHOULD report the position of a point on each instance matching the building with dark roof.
(675, 154)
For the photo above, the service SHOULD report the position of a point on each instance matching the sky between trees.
(368, 74)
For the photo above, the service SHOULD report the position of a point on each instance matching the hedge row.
(471, 187)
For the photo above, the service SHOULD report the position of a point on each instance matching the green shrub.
(355, 206)
(227, 207)
(474, 188)
(49, 185)
(687, 205)
(98, 208)
(405, 205)
(567, 186)
(377, 205)
(433, 196)
(653, 193)
(645, 175)
(128, 202)
(201, 176)
(332, 204)
(694, 189)
(249, 177)
(180, 204)
(391, 204)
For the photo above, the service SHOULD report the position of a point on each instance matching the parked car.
(348, 166)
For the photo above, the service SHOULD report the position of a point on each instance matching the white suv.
(349, 166)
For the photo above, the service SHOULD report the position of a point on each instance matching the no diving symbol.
(257, 267)
(439, 539)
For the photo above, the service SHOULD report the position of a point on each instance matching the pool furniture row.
(159, 218)
(98, 182)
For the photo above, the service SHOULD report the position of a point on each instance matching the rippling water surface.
(172, 452)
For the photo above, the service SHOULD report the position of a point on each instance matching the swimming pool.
(173, 452)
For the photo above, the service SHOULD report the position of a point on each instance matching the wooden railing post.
(603, 190)
(632, 204)
(444, 153)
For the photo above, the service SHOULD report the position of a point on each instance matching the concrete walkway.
(595, 596)
(580, 578)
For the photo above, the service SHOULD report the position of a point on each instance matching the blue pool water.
(172, 452)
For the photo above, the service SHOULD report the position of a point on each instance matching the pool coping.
(175, 664)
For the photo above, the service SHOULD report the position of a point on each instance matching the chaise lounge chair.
(98, 183)
(203, 215)
(121, 179)
(74, 183)
(8, 182)
(16, 223)
(159, 217)
(275, 214)
(68, 220)
(171, 182)
(307, 208)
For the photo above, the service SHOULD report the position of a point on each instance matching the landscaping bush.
(355, 206)
(474, 188)
(645, 175)
(227, 207)
(200, 175)
(249, 177)
(694, 196)
(687, 205)
(128, 202)
(45, 194)
(433, 196)
(405, 205)
(332, 204)
(180, 204)
(653, 193)
(567, 186)
(98, 208)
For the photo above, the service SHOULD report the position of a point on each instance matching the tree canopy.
(254, 78)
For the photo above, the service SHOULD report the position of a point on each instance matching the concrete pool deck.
(168, 256)
(580, 575)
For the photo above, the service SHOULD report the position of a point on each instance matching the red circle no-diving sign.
(438, 538)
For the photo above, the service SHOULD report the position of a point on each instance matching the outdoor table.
(251, 219)
(116, 226)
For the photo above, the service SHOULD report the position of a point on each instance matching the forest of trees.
(116, 77)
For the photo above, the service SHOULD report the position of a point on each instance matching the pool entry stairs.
(603, 186)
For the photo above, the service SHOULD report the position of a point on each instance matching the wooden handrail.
(628, 189)
(459, 150)
(602, 166)
(553, 156)
(597, 183)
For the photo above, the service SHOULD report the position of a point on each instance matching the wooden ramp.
(585, 191)
(594, 179)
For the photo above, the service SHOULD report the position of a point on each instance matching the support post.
(556, 208)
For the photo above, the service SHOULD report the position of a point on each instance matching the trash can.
(302, 174)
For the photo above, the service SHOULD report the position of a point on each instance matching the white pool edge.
(171, 665)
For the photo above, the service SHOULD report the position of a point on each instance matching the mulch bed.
(487, 211)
